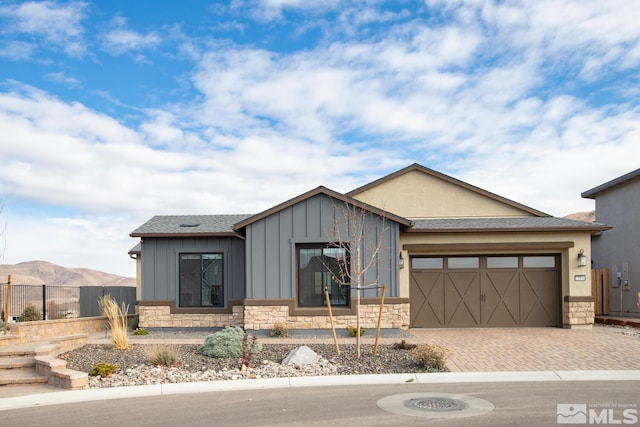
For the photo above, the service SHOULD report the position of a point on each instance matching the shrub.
(140, 332)
(227, 343)
(117, 317)
(430, 357)
(30, 314)
(404, 345)
(162, 355)
(103, 369)
(1, 324)
(351, 330)
(279, 329)
(248, 346)
(134, 322)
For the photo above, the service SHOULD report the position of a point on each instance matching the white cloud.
(17, 50)
(421, 88)
(58, 24)
(491, 97)
(97, 242)
(269, 10)
(122, 40)
(61, 77)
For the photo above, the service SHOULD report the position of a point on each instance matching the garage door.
(485, 291)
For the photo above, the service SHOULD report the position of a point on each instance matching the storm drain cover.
(435, 405)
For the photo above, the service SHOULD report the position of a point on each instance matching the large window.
(201, 280)
(320, 266)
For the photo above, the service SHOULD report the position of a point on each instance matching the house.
(618, 203)
(449, 254)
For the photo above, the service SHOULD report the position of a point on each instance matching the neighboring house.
(618, 204)
(451, 255)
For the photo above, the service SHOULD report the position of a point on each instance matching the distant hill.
(583, 216)
(43, 272)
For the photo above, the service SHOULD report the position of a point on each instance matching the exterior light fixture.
(401, 261)
(582, 259)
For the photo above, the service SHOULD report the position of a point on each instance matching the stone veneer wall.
(578, 314)
(161, 317)
(258, 317)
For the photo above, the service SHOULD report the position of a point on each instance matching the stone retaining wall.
(58, 374)
(43, 330)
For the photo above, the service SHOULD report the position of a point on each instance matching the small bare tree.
(357, 233)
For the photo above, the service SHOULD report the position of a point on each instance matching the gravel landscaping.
(134, 367)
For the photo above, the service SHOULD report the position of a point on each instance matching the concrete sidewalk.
(496, 354)
(64, 397)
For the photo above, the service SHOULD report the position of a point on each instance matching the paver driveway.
(536, 349)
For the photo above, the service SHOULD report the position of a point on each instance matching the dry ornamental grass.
(117, 317)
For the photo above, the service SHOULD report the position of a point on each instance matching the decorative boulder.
(301, 356)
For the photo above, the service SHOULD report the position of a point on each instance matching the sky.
(112, 112)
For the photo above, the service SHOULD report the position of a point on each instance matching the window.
(502, 262)
(539, 261)
(427, 263)
(201, 280)
(464, 262)
(320, 266)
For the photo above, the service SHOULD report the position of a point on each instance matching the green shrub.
(351, 330)
(404, 345)
(134, 322)
(140, 332)
(431, 357)
(228, 343)
(162, 355)
(279, 329)
(30, 314)
(1, 324)
(103, 369)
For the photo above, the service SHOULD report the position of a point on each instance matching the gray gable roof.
(504, 224)
(189, 225)
(330, 193)
(591, 194)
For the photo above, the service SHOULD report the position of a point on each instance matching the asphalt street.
(515, 404)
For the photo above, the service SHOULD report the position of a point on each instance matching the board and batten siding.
(271, 247)
(160, 263)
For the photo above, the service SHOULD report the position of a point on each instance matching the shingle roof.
(189, 225)
(136, 249)
(591, 194)
(503, 224)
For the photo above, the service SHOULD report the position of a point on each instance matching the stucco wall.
(419, 195)
(619, 207)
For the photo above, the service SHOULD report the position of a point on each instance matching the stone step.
(19, 350)
(17, 362)
(21, 376)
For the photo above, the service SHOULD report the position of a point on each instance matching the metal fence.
(60, 302)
